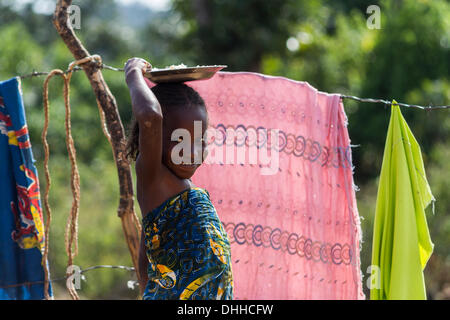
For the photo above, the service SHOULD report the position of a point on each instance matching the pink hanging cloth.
(279, 172)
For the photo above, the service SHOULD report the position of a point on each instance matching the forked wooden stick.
(106, 100)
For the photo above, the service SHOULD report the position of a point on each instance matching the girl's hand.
(136, 64)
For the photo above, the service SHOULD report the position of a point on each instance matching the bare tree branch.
(114, 125)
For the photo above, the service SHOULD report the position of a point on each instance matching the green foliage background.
(408, 59)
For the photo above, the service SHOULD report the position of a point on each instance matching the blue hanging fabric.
(21, 221)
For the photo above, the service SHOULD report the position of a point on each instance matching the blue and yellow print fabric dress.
(188, 250)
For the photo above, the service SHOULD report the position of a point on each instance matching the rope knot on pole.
(84, 60)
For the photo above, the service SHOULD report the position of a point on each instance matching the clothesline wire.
(66, 277)
(368, 100)
(38, 74)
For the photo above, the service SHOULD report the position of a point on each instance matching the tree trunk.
(114, 124)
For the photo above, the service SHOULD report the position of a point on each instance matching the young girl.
(185, 252)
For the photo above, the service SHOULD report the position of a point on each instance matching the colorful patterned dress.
(21, 221)
(188, 250)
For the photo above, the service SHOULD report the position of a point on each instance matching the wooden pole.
(106, 100)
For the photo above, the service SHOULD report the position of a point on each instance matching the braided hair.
(171, 97)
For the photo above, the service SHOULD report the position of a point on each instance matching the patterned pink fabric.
(294, 229)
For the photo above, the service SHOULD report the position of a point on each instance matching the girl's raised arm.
(148, 114)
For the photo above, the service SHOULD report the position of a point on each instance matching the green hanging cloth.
(401, 242)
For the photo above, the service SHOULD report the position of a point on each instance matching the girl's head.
(181, 106)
